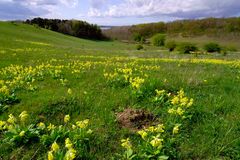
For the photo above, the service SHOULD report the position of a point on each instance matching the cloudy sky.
(118, 12)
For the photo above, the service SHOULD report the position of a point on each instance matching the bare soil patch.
(135, 119)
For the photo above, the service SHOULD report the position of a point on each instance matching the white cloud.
(175, 8)
(22, 9)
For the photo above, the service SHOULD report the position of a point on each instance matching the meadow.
(61, 97)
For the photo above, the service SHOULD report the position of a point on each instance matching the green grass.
(212, 133)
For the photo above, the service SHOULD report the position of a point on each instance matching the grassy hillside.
(50, 75)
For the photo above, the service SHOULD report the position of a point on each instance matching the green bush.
(171, 45)
(137, 37)
(139, 47)
(158, 40)
(143, 40)
(212, 47)
(187, 47)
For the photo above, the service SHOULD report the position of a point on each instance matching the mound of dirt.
(134, 119)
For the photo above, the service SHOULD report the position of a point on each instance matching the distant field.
(186, 106)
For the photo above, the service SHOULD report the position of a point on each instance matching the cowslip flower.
(126, 143)
(74, 126)
(68, 143)
(11, 119)
(143, 134)
(160, 92)
(71, 154)
(180, 111)
(41, 125)
(190, 103)
(23, 116)
(51, 127)
(82, 124)
(160, 128)
(176, 129)
(89, 131)
(69, 91)
(2, 124)
(66, 118)
(55, 147)
(22, 133)
(50, 155)
(157, 142)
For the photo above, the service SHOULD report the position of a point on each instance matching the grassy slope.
(214, 133)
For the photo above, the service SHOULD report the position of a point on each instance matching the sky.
(118, 12)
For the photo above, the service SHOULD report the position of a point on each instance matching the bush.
(212, 47)
(137, 37)
(139, 47)
(187, 47)
(171, 45)
(158, 40)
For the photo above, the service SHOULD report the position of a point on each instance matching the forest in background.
(184, 28)
(75, 28)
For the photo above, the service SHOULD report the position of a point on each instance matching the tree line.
(75, 28)
(185, 28)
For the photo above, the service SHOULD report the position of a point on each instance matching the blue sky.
(118, 12)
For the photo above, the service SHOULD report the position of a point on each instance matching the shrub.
(171, 45)
(139, 47)
(137, 37)
(212, 47)
(143, 40)
(187, 47)
(158, 40)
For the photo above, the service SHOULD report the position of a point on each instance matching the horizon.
(116, 12)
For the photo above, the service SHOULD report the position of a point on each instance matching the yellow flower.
(4, 90)
(89, 131)
(23, 116)
(160, 128)
(151, 129)
(171, 111)
(184, 101)
(175, 100)
(11, 119)
(22, 133)
(136, 82)
(86, 121)
(68, 143)
(190, 103)
(180, 111)
(55, 147)
(51, 127)
(157, 142)
(66, 118)
(2, 124)
(159, 93)
(143, 134)
(126, 143)
(82, 124)
(50, 156)
(41, 125)
(74, 126)
(71, 154)
(69, 91)
(176, 129)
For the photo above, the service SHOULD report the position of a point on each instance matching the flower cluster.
(76, 135)
(56, 152)
(180, 104)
